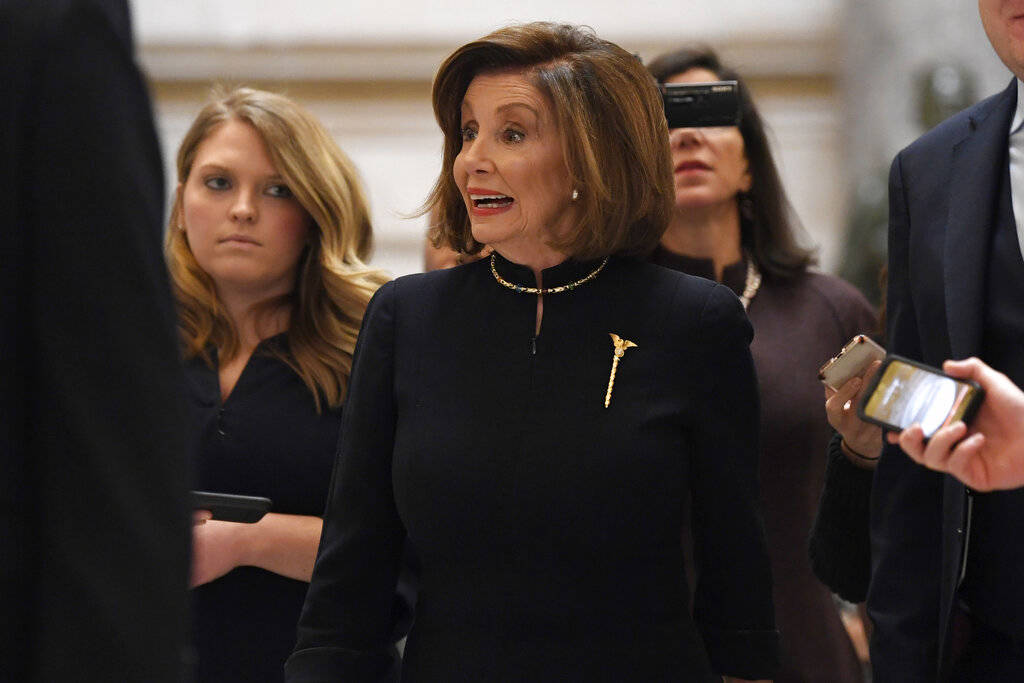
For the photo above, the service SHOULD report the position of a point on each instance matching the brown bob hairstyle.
(767, 224)
(611, 121)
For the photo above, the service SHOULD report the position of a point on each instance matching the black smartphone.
(228, 507)
(701, 105)
(904, 392)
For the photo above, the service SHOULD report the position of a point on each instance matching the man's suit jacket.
(943, 193)
(94, 528)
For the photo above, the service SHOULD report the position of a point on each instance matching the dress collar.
(734, 275)
(267, 345)
(569, 270)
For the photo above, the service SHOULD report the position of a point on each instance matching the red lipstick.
(487, 202)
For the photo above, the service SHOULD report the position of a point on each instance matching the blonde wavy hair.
(334, 284)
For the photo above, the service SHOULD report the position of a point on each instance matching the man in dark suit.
(94, 528)
(947, 595)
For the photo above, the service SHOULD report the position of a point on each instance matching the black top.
(94, 524)
(548, 526)
(840, 545)
(266, 439)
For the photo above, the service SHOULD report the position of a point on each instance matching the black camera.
(701, 105)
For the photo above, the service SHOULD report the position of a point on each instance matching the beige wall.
(367, 76)
(372, 22)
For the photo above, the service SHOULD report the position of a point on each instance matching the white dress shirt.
(1017, 165)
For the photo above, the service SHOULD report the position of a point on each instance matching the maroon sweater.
(798, 325)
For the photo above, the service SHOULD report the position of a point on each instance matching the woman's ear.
(179, 202)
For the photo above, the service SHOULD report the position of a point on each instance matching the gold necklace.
(751, 284)
(547, 290)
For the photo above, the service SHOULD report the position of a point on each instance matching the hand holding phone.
(905, 392)
(228, 507)
(990, 454)
(861, 441)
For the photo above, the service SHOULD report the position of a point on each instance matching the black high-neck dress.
(548, 526)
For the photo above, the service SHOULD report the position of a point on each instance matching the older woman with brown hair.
(533, 421)
(731, 223)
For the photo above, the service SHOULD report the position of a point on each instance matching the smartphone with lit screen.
(904, 392)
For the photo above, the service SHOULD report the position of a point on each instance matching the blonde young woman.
(269, 232)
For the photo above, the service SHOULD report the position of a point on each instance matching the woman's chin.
(700, 202)
(488, 233)
(259, 285)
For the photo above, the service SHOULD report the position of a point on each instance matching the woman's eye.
(217, 183)
(467, 134)
(279, 191)
(513, 135)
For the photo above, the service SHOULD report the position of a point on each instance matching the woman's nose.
(685, 137)
(477, 157)
(244, 208)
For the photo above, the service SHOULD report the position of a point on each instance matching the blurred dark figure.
(93, 525)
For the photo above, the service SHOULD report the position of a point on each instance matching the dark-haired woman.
(533, 422)
(732, 224)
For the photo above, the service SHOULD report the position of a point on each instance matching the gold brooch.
(619, 351)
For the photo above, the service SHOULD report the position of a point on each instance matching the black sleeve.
(733, 597)
(839, 546)
(106, 479)
(345, 631)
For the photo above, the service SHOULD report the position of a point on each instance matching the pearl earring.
(575, 195)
